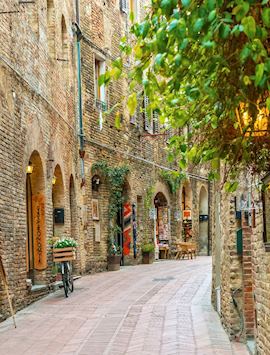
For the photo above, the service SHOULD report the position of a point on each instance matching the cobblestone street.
(162, 308)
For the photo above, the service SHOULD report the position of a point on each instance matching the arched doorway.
(187, 211)
(203, 222)
(162, 226)
(36, 253)
(58, 201)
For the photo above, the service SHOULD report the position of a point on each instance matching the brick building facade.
(241, 276)
(37, 129)
(53, 129)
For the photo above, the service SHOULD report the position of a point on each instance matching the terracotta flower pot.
(113, 262)
(147, 257)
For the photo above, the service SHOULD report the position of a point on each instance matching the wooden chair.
(185, 248)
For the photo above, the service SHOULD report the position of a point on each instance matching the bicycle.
(67, 278)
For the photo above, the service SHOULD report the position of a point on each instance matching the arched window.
(51, 28)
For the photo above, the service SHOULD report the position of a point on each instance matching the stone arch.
(161, 188)
(36, 255)
(58, 202)
(203, 221)
(51, 27)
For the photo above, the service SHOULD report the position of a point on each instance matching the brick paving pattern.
(163, 308)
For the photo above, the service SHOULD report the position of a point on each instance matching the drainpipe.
(81, 134)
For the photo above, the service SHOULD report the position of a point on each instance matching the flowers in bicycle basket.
(65, 242)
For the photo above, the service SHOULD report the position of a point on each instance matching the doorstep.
(37, 288)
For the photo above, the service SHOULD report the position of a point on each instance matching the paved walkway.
(162, 308)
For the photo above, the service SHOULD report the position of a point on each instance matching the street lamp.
(29, 168)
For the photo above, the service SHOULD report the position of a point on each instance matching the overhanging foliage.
(197, 61)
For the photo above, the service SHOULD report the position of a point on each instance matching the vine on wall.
(115, 177)
(173, 179)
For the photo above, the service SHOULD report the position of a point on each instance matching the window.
(266, 209)
(100, 90)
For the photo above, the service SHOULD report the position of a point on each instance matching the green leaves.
(268, 103)
(198, 25)
(266, 17)
(231, 186)
(249, 26)
(241, 10)
(259, 73)
(132, 103)
(185, 3)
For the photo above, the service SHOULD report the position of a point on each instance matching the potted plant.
(147, 253)
(114, 257)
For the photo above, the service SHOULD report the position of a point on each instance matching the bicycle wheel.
(70, 279)
(65, 278)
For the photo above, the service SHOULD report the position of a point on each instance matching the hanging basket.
(63, 254)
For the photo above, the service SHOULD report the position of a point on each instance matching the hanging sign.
(39, 232)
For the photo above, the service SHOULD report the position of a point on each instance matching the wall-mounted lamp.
(54, 180)
(29, 168)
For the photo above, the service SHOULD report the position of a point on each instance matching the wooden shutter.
(124, 6)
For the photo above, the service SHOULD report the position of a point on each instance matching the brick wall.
(37, 115)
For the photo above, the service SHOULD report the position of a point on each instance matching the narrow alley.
(163, 308)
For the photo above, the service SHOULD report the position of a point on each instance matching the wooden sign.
(39, 232)
(4, 279)
(187, 214)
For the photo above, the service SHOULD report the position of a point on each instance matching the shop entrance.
(162, 227)
(36, 255)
